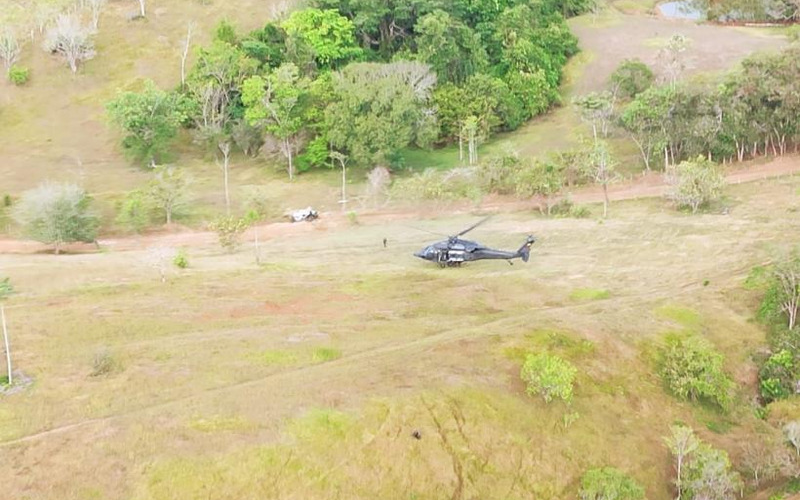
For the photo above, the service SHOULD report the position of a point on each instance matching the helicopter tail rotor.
(525, 250)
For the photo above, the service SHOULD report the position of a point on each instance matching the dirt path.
(647, 186)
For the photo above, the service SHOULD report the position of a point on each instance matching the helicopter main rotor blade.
(472, 226)
(426, 231)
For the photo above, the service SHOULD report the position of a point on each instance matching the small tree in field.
(160, 259)
(9, 48)
(608, 483)
(537, 178)
(548, 376)
(169, 191)
(682, 443)
(56, 214)
(631, 78)
(786, 277)
(70, 40)
(5, 290)
(229, 230)
(692, 369)
(694, 183)
(601, 168)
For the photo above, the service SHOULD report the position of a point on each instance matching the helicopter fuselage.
(455, 251)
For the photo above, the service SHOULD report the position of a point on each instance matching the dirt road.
(647, 186)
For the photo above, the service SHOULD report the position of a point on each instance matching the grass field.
(305, 377)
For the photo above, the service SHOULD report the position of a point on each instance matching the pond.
(681, 10)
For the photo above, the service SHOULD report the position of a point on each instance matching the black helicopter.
(454, 251)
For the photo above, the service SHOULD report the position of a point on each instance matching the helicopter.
(454, 251)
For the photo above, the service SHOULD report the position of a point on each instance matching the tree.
(671, 56)
(765, 457)
(470, 132)
(5, 291)
(276, 103)
(56, 214)
(185, 44)
(134, 211)
(597, 109)
(168, 190)
(549, 376)
(224, 146)
(453, 49)
(792, 433)
(381, 108)
(786, 275)
(95, 8)
(609, 483)
(694, 183)
(644, 120)
(601, 168)
(229, 231)
(539, 178)
(160, 258)
(9, 48)
(329, 34)
(150, 120)
(142, 8)
(342, 159)
(777, 376)
(692, 369)
(682, 443)
(631, 78)
(70, 40)
(709, 476)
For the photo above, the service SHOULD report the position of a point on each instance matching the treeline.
(362, 79)
(775, 11)
(752, 112)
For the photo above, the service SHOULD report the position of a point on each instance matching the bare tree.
(71, 40)
(141, 7)
(96, 7)
(470, 133)
(160, 258)
(185, 51)
(224, 146)
(9, 48)
(342, 159)
(792, 433)
(601, 168)
(671, 57)
(787, 275)
(5, 290)
(682, 443)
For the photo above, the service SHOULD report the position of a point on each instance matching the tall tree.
(381, 108)
(5, 290)
(150, 120)
(168, 189)
(452, 49)
(329, 34)
(277, 104)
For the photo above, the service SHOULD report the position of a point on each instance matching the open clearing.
(305, 377)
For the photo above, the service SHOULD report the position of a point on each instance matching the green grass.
(274, 357)
(683, 316)
(219, 423)
(588, 294)
(323, 354)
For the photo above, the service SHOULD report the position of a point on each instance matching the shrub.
(181, 260)
(609, 483)
(104, 363)
(548, 376)
(777, 376)
(229, 230)
(7, 200)
(431, 184)
(134, 211)
(708, 474)
(19, 75)
(694, 183)
(631, 78)
(692, 369)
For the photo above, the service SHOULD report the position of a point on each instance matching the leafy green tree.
(609, 483)
(548, 376)
(631, 78)
(229, 230)
(598, 110)
(56, 214)
(452, 49)
(266, 45)
(692, 369)
(150, 121)
(380, 109)
(694, 183)
(776, 379)
(644, 120)
(329, 34)
(277, 104)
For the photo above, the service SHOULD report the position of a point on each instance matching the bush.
(229, 230)
(181, 260)
(777, 376)
(548, 376)
(692, 369)
(631, 78)
(134, 212)
(694, 183)
(433, 184)
(19, 75)
(609, 483)
(104, 363)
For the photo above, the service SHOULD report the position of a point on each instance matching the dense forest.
(361, 80)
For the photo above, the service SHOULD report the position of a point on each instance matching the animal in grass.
(454, 251)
